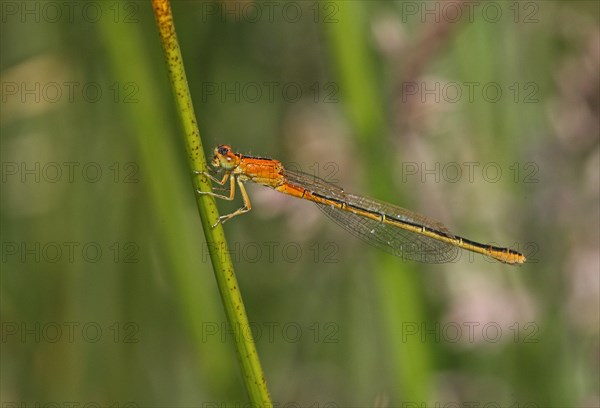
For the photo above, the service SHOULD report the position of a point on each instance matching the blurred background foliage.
(107, 293)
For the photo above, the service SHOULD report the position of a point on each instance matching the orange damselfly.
(386, 226)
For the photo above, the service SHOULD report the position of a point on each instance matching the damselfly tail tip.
(509, 256)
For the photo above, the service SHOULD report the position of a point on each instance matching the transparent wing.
(393, 239)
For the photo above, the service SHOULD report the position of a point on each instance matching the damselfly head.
(225, 158)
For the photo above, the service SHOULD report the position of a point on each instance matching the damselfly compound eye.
(223, 150)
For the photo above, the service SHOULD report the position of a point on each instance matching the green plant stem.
(215, 237)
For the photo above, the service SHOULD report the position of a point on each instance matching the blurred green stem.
(348, 41)
(215, 237)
